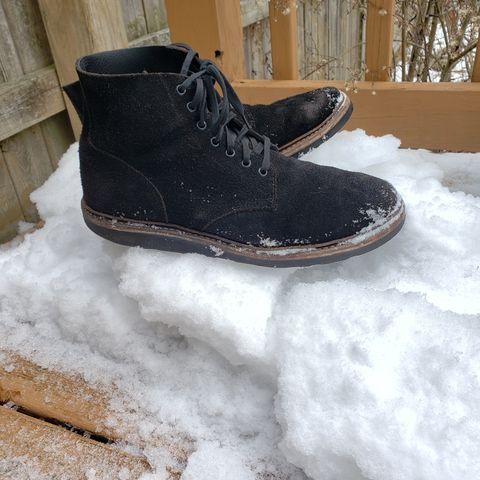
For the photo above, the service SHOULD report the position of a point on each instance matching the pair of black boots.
(171, 159)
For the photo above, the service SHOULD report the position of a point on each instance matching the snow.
(218, 463)
(364, 369)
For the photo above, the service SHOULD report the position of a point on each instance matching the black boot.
(168, 163)
(296, 124)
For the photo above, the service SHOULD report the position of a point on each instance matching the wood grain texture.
(79, 27)
(26, 28)
(37, 97)
(134, 18)
(69, 399)
(155, 15)
(31, 48)
(29, 165)
(476, 65)
(24, 50)
(52, 394)
(58, 136)
(257, 50)
(379, 39)
(29, 446)
(10, 209)
(10, 65)
(437, 116)
(213, 28)
(283, 31)
(253, 11)
(161, 37)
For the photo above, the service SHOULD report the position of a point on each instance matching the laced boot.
(167, 162)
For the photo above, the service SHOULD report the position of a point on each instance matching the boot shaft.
(143, 154)
(131, 105)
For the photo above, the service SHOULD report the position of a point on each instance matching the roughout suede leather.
(143, 158)
(292, 117)
(282, 121)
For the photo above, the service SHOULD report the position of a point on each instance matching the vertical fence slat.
(78, 27)
(10, 209)
(211, 27)
(283, 31)
(476, 65)
(378, 55)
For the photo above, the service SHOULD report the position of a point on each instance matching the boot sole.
(172, 238)
(320, 134)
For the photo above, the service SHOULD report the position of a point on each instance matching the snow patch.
(364, 369)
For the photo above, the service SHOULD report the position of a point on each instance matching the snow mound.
(365, 369)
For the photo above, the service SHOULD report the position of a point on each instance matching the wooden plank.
(10, 209)
(283, 32)
(79, 27)
(26, 100)
(29, 447)
(69, 399)
(438, 116)
(213, 28)
(9, 61)
(378, 55)
(52, 394)
(26, 28)
(134, 19)
(37, 97)
(253, 11)
(58, 136)
(155, 15)
(476, 65)
(301, 39)
(28, 162)
(161, 37)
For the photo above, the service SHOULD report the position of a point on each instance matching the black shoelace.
(224, 113)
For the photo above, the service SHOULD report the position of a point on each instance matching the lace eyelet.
(181, 90)
(230, 154)
(202, 126)
(246, 164)
(262, 172)
(189, 107)
(214, 142)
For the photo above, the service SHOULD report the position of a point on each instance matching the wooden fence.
(40, 39)
(34, 127)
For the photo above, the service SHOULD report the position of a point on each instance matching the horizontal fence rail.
(440, 116)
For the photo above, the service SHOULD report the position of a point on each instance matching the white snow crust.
(368, 369)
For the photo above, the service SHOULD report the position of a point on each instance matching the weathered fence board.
(58, 136)
(25, 51)
(26, 28)
(155, 15)
(29, 165)
(78, 27)
(134, 18)
(258, 54)
(37, 97)
(10, 210)
(330, 39)
(9, 61)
